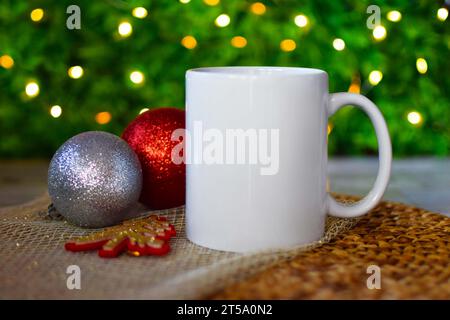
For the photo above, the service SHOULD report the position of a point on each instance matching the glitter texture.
(149, 135)
(94, 179)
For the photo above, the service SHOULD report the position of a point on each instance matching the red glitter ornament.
(149, 135)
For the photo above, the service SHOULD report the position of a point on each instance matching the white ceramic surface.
(233, 207)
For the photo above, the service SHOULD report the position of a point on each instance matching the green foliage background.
(44, 51)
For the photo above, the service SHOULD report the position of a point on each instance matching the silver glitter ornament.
(95, 179)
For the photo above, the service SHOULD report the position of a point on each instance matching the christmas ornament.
(140, 237)
(149, 135)
(94, 179)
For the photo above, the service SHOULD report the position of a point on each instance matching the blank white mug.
(239, 207)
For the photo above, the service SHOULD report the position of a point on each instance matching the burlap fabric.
(33, 262)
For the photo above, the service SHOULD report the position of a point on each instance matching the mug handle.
(336, 101)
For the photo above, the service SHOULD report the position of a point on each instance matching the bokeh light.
(222, 20)
(301, 20)
(375, 77)
(189, 42)
(422, 65)
(140, 12)
(288, 45)
(442, 14)
(394, 16)
(338, 44)
(6, 61)
(258, 8)
(211, 2)
(75, 72)
(238, 42)
(379, 33)
(37, 14)
(32, 89)
(414, 117)
(125, 29)
(137, 77)
(103, 117)
(55, 111)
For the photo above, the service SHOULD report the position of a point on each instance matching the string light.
(143, 110)
(189, 42)
(375, 77)
(211, 2)
(421, 65)
(238, 42)
(6, 61)
(137, 77)
(125, 29)
(55, 111)
(103, 117)
(379, 33)
(414, 117)
(258, 8)
(75, 72)
(140, 12)
(37, 14)
(288, 45)
(301, 20)
(442, 14)
(394, 16)
(32, 89)
(222, 20)
(338, 44)
(185, 1)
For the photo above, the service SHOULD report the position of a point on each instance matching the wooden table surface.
(422, 182)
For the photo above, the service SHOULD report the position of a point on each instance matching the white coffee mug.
(256, 155)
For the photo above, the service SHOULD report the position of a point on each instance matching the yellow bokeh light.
(103, 117)
(394, 16)
(211, 2)
(442, 14)
(375, 77)
(143, 110)
(222, 20)
(422, 65)
(140, 12)
(329, 128)
(354, 88)
(125, 29)
(288, 45)
(301, 20)
(137, 77)
(6, 61)
(37, 14)
(55, 111)
(338, 44)
(238, 42)
(75, 72)
(414, 117)
(379, 33)
(189, 42)
(185, 1)
(32, 89)
(258, 8)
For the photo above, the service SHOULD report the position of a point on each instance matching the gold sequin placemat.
(410, 246)
(34, 263)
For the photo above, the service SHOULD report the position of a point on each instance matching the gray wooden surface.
(423, 182)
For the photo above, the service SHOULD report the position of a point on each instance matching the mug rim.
(255, 71)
